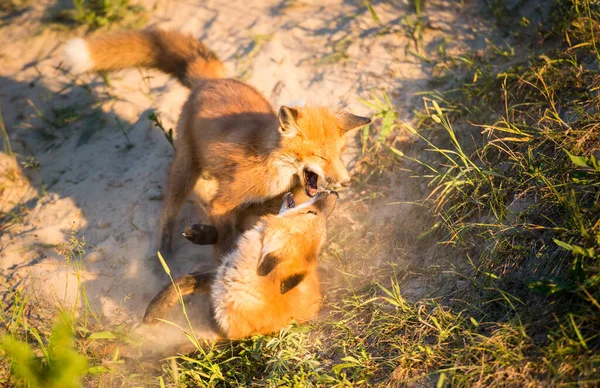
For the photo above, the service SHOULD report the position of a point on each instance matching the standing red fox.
(228, 136)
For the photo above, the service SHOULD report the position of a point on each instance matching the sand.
(102, 164)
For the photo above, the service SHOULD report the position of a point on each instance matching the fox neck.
(272, 176)
(280, 172)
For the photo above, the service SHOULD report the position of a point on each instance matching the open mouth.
(311, 181)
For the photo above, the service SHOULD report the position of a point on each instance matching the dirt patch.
(102, 163)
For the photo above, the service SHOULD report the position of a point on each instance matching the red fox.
(268, 279)
(228, 138)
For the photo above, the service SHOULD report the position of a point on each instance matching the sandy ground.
(324, 52)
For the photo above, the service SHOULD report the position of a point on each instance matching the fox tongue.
(312, 180)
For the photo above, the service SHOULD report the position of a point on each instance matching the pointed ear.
(347, 121)
(287, 121)
(266, 264)
(291, 281)
(268, 257)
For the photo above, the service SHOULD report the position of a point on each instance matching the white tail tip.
(78, 56)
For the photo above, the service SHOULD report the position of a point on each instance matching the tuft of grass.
(60, 365)
(80, 349)
(168, 134)
(246, 55)
(538, 152)
(125, 132)
(95, 14)
(14, 5)
(339, 52)
(15, 216)
(288, 358)
(55, 119)
(6, 147)
(514, 182)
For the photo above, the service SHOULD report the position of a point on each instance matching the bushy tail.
(196, 282)
(172, 52)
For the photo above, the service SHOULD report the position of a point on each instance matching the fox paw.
(201, 234)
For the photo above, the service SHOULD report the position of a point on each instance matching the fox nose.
(345, 183)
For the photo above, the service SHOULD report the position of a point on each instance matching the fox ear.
(347, 121)
(266, 264)
(268, 257)
(291, 281)
(287, 121)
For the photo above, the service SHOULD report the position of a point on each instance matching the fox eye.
(311, 212)
(320, 157)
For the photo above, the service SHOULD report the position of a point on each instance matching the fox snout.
(339, 175)
(336, 183)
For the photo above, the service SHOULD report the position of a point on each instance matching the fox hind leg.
(182, 177)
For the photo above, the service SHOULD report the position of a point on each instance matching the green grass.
(95, 14)
(60, 365)
(157, 121)
(517, 187)
(536, 149)
(66, 346)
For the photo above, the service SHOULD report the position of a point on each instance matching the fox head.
(314, 138)
(292, 240)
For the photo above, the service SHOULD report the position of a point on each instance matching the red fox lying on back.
(268, 279)
(228, 136)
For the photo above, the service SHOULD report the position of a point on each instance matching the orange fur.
(251, 292)
(168, 51)
(228, 136)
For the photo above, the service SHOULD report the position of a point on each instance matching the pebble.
(115, 184)
(154, 195)
(95, 256)
(102, 225)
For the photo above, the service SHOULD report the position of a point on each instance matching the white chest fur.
(282, 182)
(236, 284)
(281, 176)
